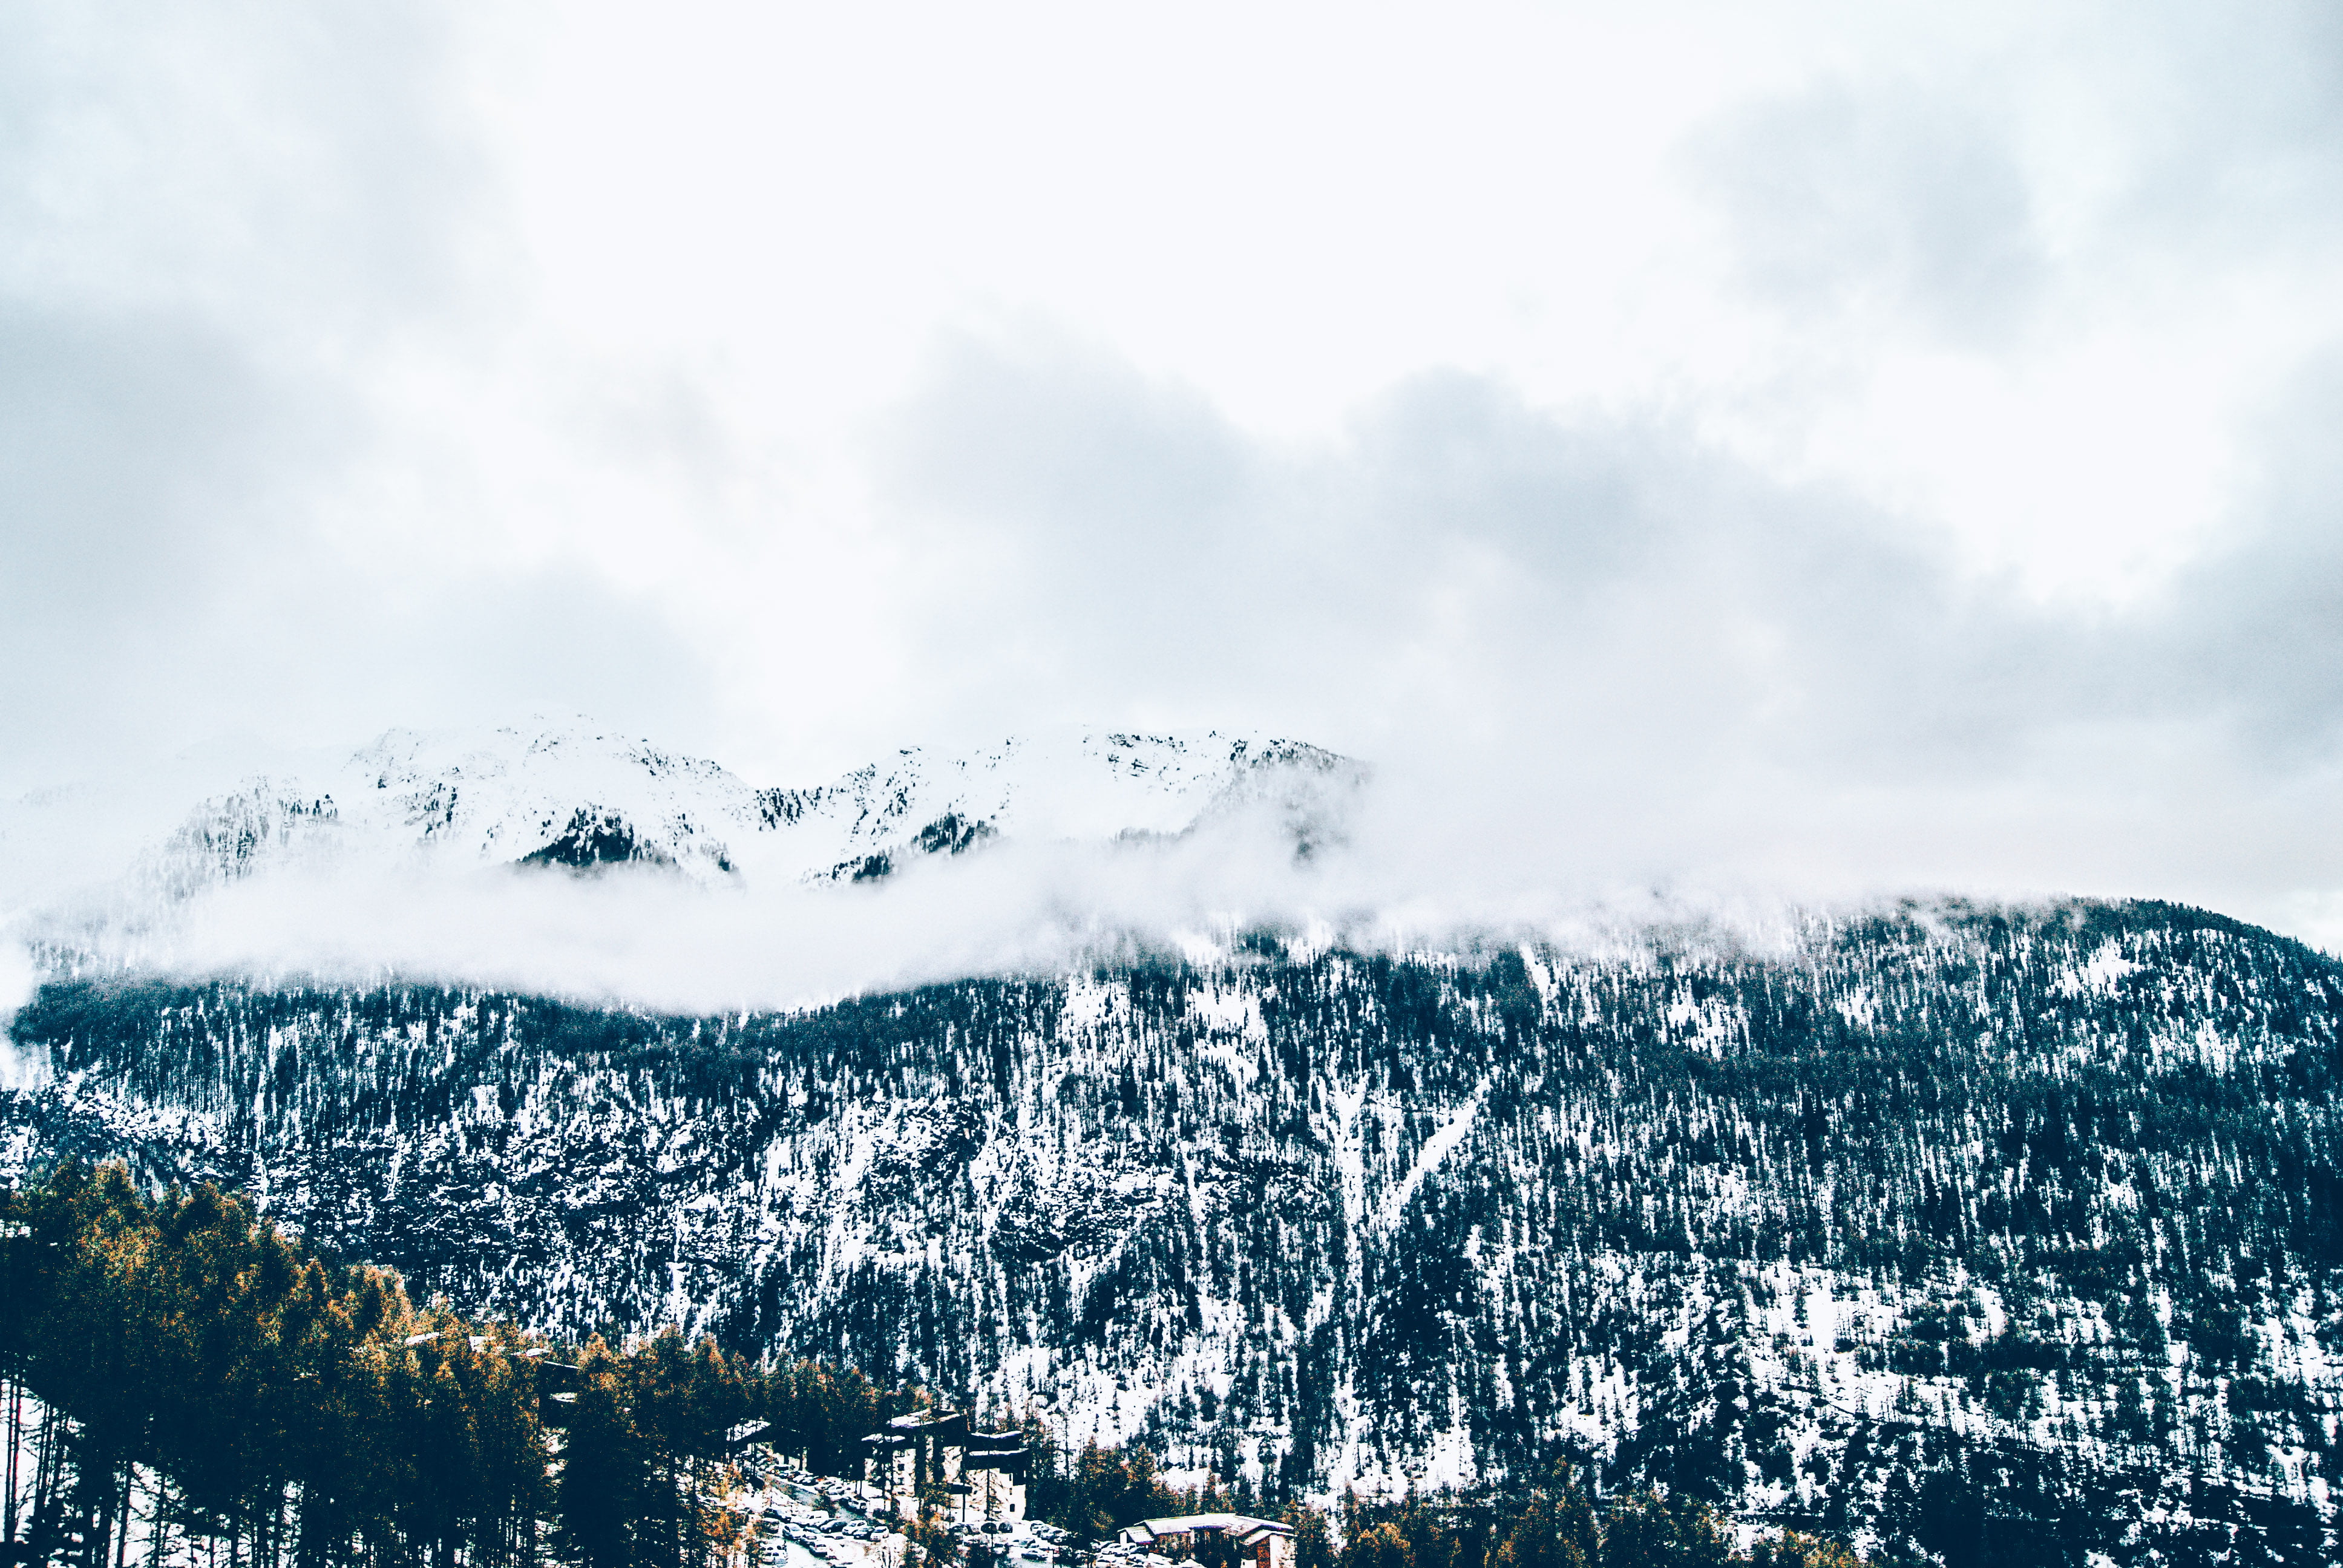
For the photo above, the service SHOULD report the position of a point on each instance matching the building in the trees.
(1266, 1542)
(937, 1455)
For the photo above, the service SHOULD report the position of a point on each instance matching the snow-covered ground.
(800, 1522)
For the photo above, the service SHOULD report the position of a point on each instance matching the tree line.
(180, 1373)
(197, 1376)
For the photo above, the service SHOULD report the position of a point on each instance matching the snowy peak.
(1086, 785)
(571, 794)
(230, 837)
(566, 792)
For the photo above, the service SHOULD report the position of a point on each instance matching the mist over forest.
(1526, 786)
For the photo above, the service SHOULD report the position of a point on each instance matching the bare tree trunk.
(15, 1440)
(48, 1461)
(43, 1446)
(98, 1510)
(156, 1541)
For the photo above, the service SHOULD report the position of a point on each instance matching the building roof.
(921, 1418)
(996, 1442)
(1243, 1527)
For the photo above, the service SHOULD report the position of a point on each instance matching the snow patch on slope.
(2101, 973)
(1436, 1149)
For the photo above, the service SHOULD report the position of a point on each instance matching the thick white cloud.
(1811, 443)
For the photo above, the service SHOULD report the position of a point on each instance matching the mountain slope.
(2037, 1210)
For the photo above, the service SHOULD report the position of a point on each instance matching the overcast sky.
(1834, 445)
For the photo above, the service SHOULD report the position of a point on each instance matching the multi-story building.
(936, 1455)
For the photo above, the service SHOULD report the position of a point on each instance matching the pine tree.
(606, 1482)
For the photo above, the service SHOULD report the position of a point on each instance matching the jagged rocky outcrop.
(594, 836)
(2029, 1213)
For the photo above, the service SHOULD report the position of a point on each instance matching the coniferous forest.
(196, 1379)
(195, 1375)
(1966, 1234)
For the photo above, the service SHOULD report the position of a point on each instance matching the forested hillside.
(181, 1382)
(1957, 1223)
(204, 1387)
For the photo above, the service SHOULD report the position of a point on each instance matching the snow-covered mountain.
(1954, 1224)
(574, 793)
(1943, 1214)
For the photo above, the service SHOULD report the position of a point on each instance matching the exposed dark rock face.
(952, 834)
(593, 837)
(2030, 1215)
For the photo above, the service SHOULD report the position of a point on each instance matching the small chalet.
(1269, 1544)
(979, 1474)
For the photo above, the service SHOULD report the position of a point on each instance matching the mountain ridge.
(575, 795)
(519, 791)
(2045, 1202)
